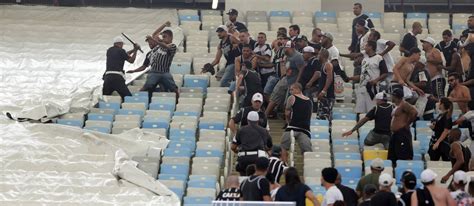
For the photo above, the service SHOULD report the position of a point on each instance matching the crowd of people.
(301, 76)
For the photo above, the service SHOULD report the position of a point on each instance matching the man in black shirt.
(232, 193)
(298, 112)
(294, 31)
(160, 61)
(420, 79)
(357, 9)
(382, 114)
(409, 40)
(311, 72)
(409, 185)
(251, 142)
(315, 41)
(233, 14)
(245, 39)
(369, 192)
(277, 166)
(226, 47)
(300, 42)
(350, 196)
(257, 187)
(114, 78)
(470, 28)
(448, 46)
(239, 118)
(384, 196)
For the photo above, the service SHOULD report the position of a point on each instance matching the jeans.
(270, 85)
(229, 75)
(153, 79)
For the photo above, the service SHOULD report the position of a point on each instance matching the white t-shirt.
(334, 54)
(381, 45)
(363, 41)
(332, 195)
(370, 69)
(265, 50)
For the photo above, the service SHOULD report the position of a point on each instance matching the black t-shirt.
(355, 37)
(301, 115)
(228, 50)
(296, 194)
(253, 138)
(252, 83)
(349, 194)
(422, 74)
(448, 49)
(240, 26)
(405, 199)
(409, 41)
(312, 66)
(252, 43)
(382, 114)
(322, 81)
(116, 58)
(384, 198)
(442, 123)
(254, 188)
(241, 117)
(230, 194)
(316, 46)
(365, 203)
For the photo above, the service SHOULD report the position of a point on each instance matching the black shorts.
(115, 82)
(400, 146)
(243, 162)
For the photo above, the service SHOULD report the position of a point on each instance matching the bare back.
(402, 116)
(441, 196)
(433, 56)
(461, 92)
(404, 69)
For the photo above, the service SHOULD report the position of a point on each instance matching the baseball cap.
(381, 96)
(257, 97)
(377, 163)
(409, 179)
(429, 40)
(308, 49)
(301, 37)
(328, 35)
(288, 44)
(428, 176)
(166, 29)
(118, 39)
(385, 180)
(398, 93)
(276, 151)
(232, 12)
(221, 28)
(460, 176)
(253, 116)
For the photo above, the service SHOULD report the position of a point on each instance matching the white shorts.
(363, 102)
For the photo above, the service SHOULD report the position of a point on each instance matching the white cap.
(460, 176)
(288, 44)
(257, 97)
(118, 39)
(429, 40)
(167, 29)
(381, 96)
(253, 116)
(308, 49)
(221, 28)
(428, 176)
(385, 180)
(377, 163)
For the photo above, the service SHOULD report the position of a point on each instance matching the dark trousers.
(400, 146)
(243, 162)
(442, 151)
(115, 82)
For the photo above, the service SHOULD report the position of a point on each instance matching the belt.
(115, 72)
(247, 153)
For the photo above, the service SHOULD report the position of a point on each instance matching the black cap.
(409, 179)
(397, 93)
(370, 189)
(329, 174)
(301, 37)
(276, 151)
(232, 12)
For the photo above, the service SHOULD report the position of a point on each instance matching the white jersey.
(370, 69)
(363, 41)
(381, 45)
(332, 195)
(334, 54)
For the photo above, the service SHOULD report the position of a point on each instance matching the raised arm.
(390, 45)
(159, 29)
(217, 59)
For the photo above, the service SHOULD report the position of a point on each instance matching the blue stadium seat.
(319, 135)
(202, 183)
(318, 189)
(137, 99)
(280, 13)
(319, 122)
(209, 153)
(113, 105)
(187, 145)
(424, 142)
(178, 191)
(201, 81)
(163, 106)
(344, 116)
(188, 201)
(322, 14)
(350, 181)
(188, 18)
(156, 124)
(140, 94)
(350, 171)
(416, 15)
(411, 165)
(178, 152)
(422, 124)
(182, 132)
(131, 112)
(100, 117)
(386, 163)
(98, 129)
(202, 177)
(374, 15)
(163, 100)
(347, 156)
(172, 177)
(180, 68)
(187, 113)
(345, 142)
(212, 125)
(174, 169)
(71, 122)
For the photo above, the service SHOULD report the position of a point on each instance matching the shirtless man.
(434, 63)
(440, 195)
(460, 93)
(403, 69)
(401, 146)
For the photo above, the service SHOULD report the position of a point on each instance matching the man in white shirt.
(459, 183)
(383, 49)
(328, 179)
(469, 117)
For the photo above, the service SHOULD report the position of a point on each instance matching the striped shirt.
(276, 168)
(161, 58)
(279, 54)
